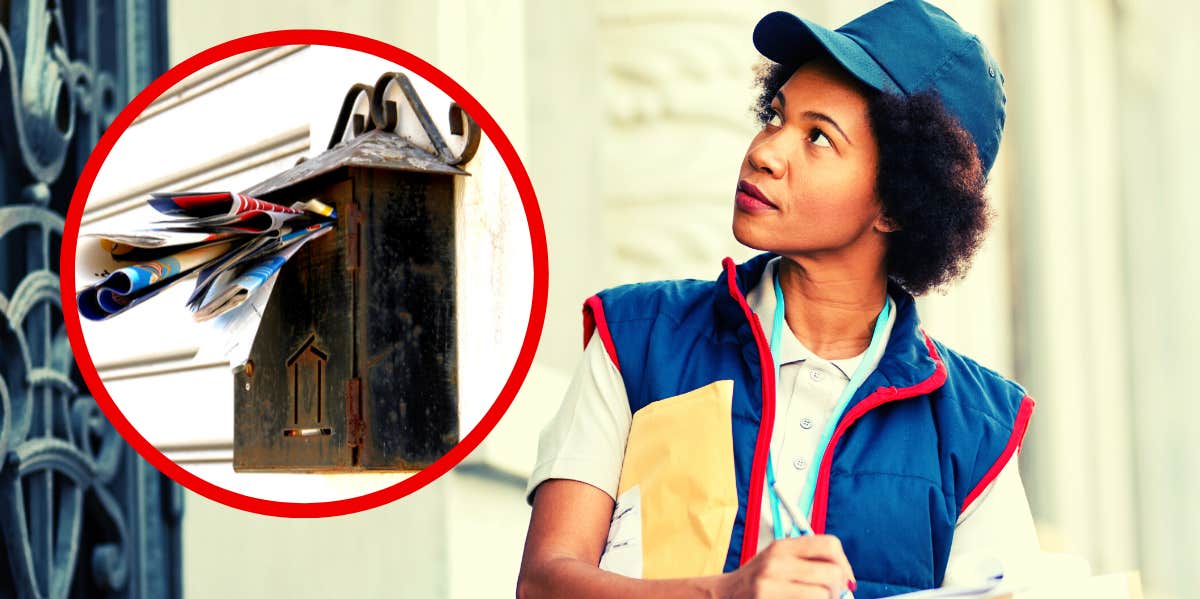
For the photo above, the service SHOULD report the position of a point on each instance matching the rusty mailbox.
(354, 363)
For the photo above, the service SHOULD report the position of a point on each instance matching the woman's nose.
(767, 157)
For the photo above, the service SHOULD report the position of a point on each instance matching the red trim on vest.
(1014, 443)
(881, 396)
(758, 470)
(593, 320)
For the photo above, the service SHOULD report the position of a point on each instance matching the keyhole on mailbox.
(306, 368)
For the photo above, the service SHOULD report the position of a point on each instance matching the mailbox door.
(408, 354)
(290, 399)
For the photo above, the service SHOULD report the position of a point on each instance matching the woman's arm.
(566, 537)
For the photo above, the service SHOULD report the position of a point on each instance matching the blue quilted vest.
(918, 442)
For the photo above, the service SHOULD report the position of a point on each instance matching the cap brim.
(788, 39)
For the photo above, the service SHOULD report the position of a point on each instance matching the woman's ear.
(885, 224)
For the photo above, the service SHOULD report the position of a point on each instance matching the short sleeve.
(999, 526)
(585, 441)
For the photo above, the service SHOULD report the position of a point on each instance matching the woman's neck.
(832, 305)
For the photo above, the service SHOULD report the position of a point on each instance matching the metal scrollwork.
(81, 515)
(39, 94)
(384, 114)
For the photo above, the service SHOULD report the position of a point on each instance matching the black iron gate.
(82, 515)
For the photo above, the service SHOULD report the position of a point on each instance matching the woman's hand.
(811, 566)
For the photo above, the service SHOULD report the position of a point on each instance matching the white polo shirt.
(585, 441)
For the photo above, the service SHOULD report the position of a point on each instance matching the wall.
(632, 117)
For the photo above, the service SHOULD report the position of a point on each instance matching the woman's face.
(807, 183)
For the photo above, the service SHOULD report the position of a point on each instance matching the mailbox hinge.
(354, 419)
(353, 222)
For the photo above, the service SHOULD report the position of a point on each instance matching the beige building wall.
(632, 118)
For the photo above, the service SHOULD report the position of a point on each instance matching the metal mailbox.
(354, 363)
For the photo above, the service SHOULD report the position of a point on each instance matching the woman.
(710, 424)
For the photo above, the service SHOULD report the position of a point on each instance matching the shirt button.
(799, 463)
(806, 423)
(816, 375)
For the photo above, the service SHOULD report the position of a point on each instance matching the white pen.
(801, 524)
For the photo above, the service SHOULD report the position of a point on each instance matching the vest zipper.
(766, 423)
(877, 398)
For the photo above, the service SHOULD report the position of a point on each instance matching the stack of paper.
(973, 578)
(234, 244)
(1042, 576)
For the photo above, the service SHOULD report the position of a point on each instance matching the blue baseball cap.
(903, 47)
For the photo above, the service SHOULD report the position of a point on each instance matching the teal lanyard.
(856, 380)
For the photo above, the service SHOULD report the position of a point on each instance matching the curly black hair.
(929, 181)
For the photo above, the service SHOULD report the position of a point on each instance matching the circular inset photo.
(304, 273)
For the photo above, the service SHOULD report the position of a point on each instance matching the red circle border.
(533, 217)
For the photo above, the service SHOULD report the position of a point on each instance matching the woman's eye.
(774, 120)
(818, 138)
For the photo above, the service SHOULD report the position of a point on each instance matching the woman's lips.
(750, 199)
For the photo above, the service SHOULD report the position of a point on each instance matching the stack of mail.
(233, 243)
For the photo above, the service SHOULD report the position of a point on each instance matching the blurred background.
(632, 118)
